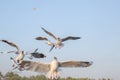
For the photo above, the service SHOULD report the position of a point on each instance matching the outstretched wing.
(70, 38)
(41, 38)
(49, 33)
(75, 64)
(35, 66)
(11, 44)
(38, 55)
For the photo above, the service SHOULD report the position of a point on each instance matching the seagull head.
(22, 52)
(58, 39)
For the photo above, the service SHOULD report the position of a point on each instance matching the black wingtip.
(42, 28)
(37, 38)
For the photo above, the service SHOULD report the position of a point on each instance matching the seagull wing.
(75, 64)
(41, 38)
(16, 52)
(51, 48)
(36, 50)
(35, 66)
(11, 44)
(38, 55)
(70, 38)
(49, 33)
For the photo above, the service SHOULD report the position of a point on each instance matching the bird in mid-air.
(59, 41)
(53, 67)
(20, 55)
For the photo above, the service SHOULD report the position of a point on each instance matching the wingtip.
(11, 58)
(42, 28)
(90, 63)
(37, 38)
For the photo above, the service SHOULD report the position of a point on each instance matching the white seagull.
(51, 68)
(59, 40)
(20, 56)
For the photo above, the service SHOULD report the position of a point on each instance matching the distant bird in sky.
(51, 68)
(34, 9)
(59, 40)
(20, 56)
(36, 54)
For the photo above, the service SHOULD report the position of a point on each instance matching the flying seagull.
(59, 40)
(20, 56)
(36, 54)
(51, 68)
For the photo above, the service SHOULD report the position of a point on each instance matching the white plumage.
(20, 56)
(59, 41)
(52, 67)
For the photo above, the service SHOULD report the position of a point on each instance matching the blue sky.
(96, 21)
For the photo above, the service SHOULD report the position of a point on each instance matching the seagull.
(20, 56)
(36, 54)
(52, 68)
(59, 40)
(18, 59)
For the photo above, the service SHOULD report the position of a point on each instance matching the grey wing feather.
(35, 66)
(11, 44)
(41, 38)
(70, 38)
(75, 64)
(49, 33)
(16, 52)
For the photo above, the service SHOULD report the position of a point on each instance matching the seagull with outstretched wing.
(59, 40)
(20, 56)
(52, 67)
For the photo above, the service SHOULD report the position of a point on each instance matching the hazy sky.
(96, 21)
